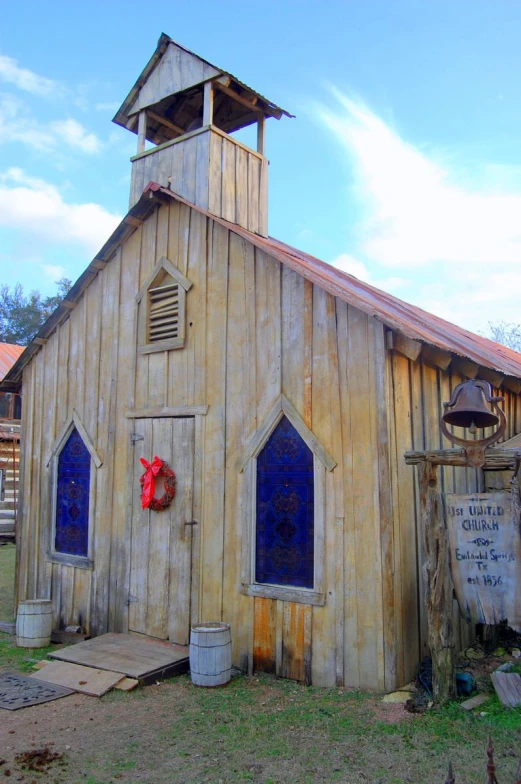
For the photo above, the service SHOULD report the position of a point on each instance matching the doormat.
(17, 691)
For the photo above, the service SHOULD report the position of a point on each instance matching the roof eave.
(12, 381)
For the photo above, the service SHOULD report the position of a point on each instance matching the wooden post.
(438, 585)
(208, 104)
(261, 134)
(141, 132)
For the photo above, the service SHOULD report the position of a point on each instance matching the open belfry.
(188, 108)
(214, 423)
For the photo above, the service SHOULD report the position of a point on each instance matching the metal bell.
(469, 405)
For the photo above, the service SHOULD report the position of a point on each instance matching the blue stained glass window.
(284, 553)
(72, 498)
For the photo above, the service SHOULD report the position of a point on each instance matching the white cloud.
(354, 266)
(419, 214)
(108, 106)
(11, 73)
(38, 209)
(54, 272)
(458, 244)
(17, 125)
(74, 134)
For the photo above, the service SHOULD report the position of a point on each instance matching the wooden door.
(161, 542)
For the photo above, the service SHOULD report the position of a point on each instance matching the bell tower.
(188, 108)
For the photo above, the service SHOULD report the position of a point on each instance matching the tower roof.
(170, 87)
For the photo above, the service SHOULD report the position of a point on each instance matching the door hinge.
(136, 437)
(191, 522)
(132, 599)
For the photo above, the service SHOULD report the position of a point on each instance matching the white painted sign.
(485, 555)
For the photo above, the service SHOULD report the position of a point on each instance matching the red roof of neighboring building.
(9, 353)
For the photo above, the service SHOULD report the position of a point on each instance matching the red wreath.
(154, 469)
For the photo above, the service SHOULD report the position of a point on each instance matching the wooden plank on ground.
(475, 702)
(85, 680)
(508, 688)
(132, 655)
(39, 665)
(126, 684)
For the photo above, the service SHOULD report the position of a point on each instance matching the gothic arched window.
(73, 462)
(283, 496)
(72, 497)
(284, 546)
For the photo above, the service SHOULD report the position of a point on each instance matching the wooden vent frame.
(162, 309)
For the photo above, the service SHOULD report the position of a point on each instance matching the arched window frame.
(247, 465)
(79, 561)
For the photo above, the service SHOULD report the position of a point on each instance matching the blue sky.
(403, 165)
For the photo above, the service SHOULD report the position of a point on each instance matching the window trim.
(53, 555)
(247, 467)
(142, 301)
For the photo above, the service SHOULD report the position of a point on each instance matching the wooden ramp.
(136, 656)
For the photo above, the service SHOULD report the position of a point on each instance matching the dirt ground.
(257, 729)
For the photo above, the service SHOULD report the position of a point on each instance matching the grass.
(20, 659)
(7, 564)
(261, 729)
(271, 731)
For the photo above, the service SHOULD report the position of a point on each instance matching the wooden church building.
(282, 392)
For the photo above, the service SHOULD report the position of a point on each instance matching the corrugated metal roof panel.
(408, 319)
(9, 353)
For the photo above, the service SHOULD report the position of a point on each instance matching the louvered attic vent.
(163, 313)
(162, 308)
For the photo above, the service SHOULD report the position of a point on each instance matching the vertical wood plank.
(241, 423)
(406, 568)
(253, 193)
(326, 426)
(241, 187)
(189, 169)
(212, 534)
(365, 504)
(293, 337)
(350, 587)
(268, 324)
(296, 641)
(228, 180)
(107, 405)
(140, 532)
(159, 546)
(180, 560)
(264, 642)
(202, 165)
(215, 175)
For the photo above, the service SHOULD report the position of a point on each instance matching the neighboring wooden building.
(282, 392)
(10, 410)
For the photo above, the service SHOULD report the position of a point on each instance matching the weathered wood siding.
(417, 391)
(176, 71)
(255, 330)
(211, 170)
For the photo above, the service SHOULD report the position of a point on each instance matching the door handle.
(192, 522)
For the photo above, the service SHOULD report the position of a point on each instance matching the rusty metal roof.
(400, 316)
(9, 353)
(122, 115)
(411, 321)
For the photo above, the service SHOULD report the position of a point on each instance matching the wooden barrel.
(34, 623)
(210, 654)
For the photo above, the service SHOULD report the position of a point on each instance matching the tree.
(21, 315)
(506, 333)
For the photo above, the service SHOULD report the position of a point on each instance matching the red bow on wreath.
(154, 469)
(148, 480)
